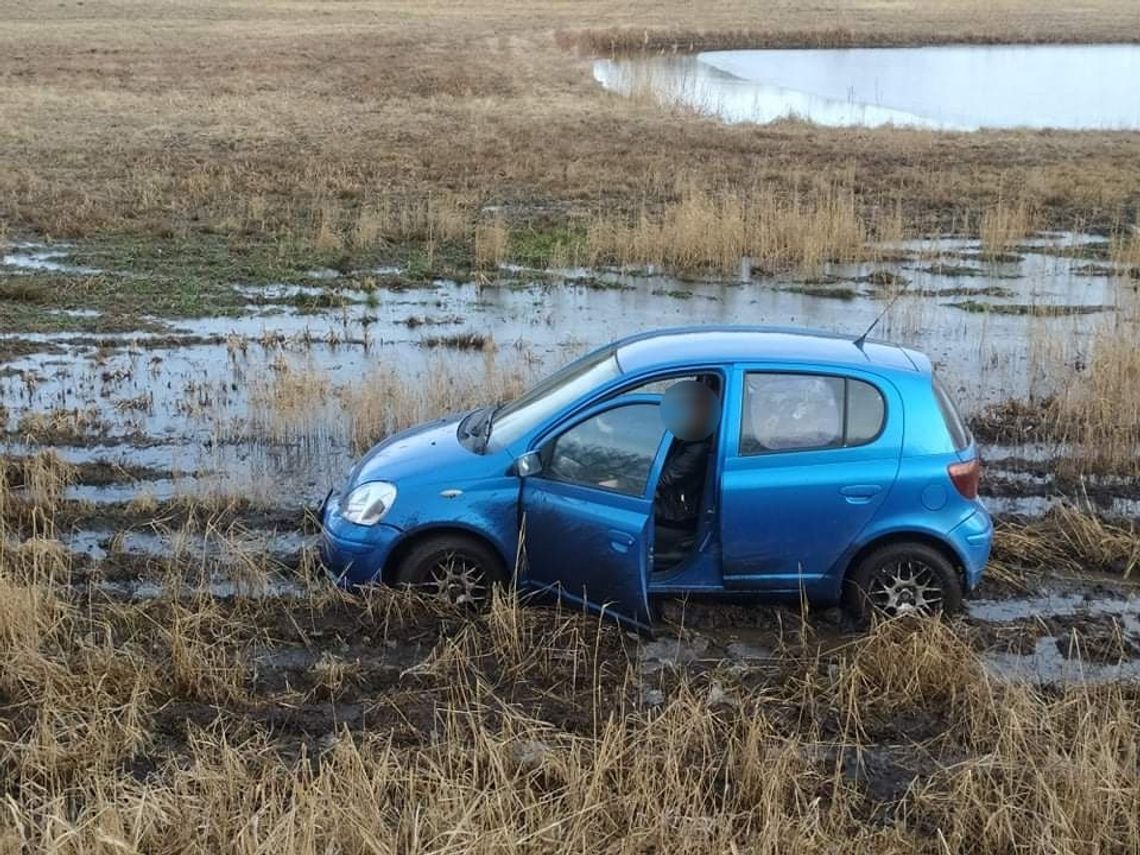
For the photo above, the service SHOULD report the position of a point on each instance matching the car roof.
(686, 345)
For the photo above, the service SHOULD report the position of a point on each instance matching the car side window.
(866, 412)
(799, 412)
(658, 386)
(613, 450)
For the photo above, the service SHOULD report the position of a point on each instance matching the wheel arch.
(414, 538)
(907, 536)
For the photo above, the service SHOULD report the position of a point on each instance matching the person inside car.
(691, 412)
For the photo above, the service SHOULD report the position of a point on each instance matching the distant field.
(303, 119)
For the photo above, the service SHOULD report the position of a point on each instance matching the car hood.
(431, 450)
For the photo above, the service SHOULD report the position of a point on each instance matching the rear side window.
(959, 433)
(797, 412)
(865, 412)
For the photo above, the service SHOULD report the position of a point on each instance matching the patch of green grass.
(419, 266)
(1098, 251)
(180, 277)
(458, 341)
(826, 292)
(306, 302)
(942, 269)
(962, 291)
(542, 246)
(885, 278)
(680, 294)
(1044, 311)
(24, 290)
(28, 318)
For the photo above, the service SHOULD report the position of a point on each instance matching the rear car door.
(587, 514)
(812, 461)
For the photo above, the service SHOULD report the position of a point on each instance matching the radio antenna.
(859, 342)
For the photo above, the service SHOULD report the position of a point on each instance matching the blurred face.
(690, 410)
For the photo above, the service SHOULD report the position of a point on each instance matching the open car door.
(586, 506)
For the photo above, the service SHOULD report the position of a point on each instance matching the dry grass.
(1125, 251)
(350, 125)
(1084, 403)
(60, 425)
(713, 231)
(94, 691)
(492, 241)
(435, 217)
(1005, 224)
(42, 477)
(160, 726)
(1069, 539)
(1098, 412)
(301, 404)
(926, 25)
(388, 404)
(290, 404)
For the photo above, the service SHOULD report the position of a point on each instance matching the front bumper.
(353, 554)
(973, 538)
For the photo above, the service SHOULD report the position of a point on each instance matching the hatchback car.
(833, 468)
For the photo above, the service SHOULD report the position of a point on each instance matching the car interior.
(684, 494)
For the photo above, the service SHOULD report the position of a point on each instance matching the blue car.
(832, 468)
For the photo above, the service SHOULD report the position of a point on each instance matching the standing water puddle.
(950, 87)
(251, 400)
(1058, 656)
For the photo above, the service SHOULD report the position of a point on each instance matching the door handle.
(859, 493)
(620, 541)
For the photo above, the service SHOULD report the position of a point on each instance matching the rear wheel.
(900, 579)
(454, 567)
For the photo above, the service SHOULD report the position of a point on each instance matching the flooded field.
(159, 470)
(273, 401)
(950, 87)
(259, 396)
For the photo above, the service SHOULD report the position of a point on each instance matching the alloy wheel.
(906, 587)
(459, 580)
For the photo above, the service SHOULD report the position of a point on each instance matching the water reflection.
(950, 87)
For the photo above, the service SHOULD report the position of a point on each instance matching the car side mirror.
(527, 465)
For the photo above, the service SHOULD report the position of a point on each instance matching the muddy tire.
(902, 578)
(459, 569)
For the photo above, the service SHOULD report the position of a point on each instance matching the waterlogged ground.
(200, 434)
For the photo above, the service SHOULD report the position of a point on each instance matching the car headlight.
(368, 503)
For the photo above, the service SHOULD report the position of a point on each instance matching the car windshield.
(565, 386)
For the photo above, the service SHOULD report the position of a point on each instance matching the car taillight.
(966, 477)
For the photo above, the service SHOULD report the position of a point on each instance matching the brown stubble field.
(314, 721)
(172, 117)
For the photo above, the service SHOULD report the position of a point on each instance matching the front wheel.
(456, 568)
(900, 579)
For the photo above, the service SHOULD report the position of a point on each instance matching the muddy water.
(1081, 635)
(29, 257)
(1066, 630)
(951, 87)
(196, 400)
